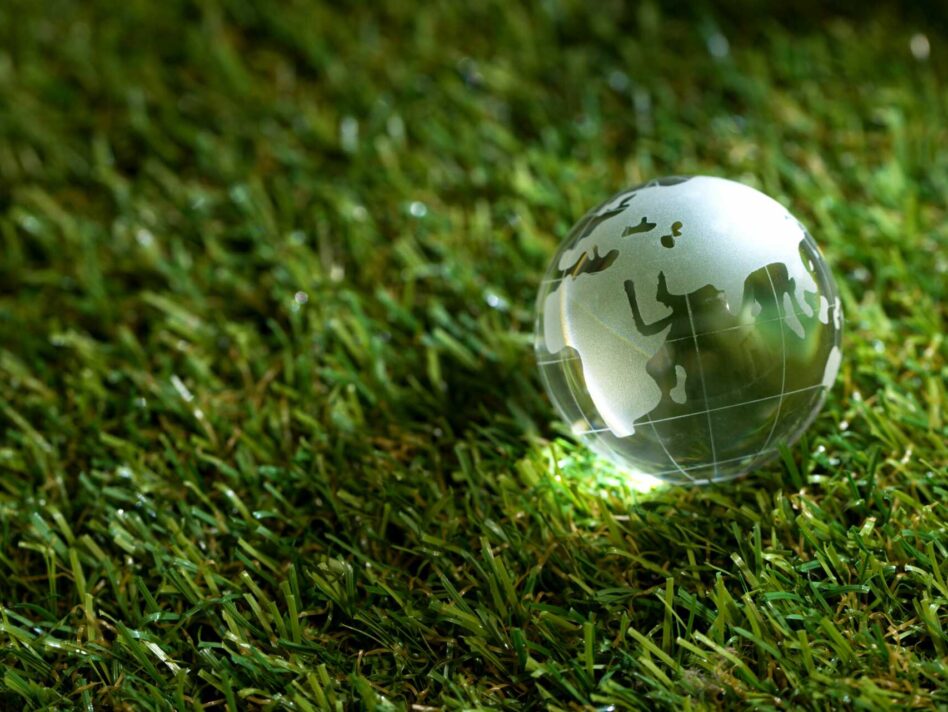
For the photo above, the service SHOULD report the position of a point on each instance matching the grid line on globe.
(711, 333)
(670, 360)
(783, 363)
(649, 421)
(704, 390)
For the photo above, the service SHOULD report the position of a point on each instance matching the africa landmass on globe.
(639, 270)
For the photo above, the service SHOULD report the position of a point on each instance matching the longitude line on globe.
(704, 388)
(783, 357)
(661, 442)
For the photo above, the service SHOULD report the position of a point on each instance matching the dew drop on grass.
(920, 47)
(349, 134)
(618, 80)
(718, 46)
(144, 237)
(495, 301)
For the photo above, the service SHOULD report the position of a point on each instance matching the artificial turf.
(271, 431)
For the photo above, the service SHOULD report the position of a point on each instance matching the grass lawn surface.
(271, 431)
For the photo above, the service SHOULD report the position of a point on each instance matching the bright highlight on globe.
(687, 328)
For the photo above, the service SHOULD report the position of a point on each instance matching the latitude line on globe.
(715, 332)
(577, 357)
(719, 462)
(714, 410)
(783, 375)
(704, 388)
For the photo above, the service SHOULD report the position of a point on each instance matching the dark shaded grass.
(272, 434)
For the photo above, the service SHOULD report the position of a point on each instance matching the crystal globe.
(687, 328)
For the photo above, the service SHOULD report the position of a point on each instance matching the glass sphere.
(687, 327)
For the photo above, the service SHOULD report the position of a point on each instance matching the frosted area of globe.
(642, 299)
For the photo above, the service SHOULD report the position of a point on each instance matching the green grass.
(271, 433)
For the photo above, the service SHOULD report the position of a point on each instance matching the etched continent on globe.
(682, 299)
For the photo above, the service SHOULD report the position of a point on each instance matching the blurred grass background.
(271, 433)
